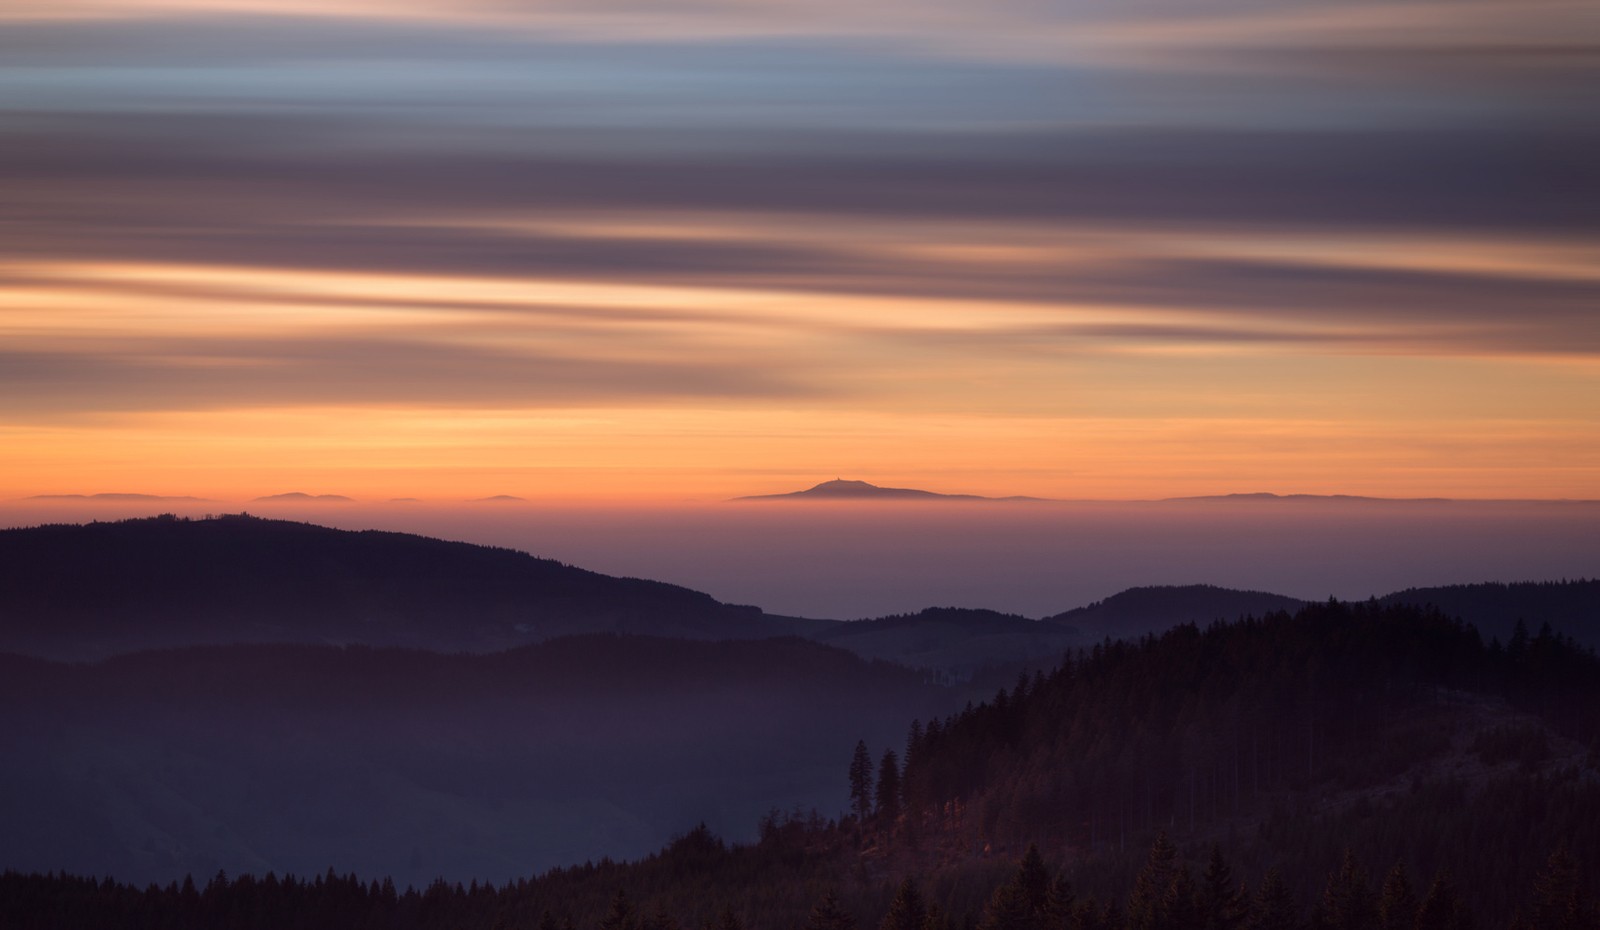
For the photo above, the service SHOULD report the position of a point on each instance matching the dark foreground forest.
(1347, 766)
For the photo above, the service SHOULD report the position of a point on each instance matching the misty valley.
(242, 722)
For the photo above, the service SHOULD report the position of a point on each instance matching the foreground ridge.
(1271, 767)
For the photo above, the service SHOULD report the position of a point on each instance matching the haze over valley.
(799, 465)
(854, 559)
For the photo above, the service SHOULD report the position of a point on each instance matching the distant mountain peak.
(1269, 496)
(841, 484)
(499, 499)
(853, 489)
(302, 496)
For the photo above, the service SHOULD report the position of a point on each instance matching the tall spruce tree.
(861, 781)
(1274, 907)
(888, 796)
(828, 915)
(1024, 902)
(1348, 902)
(621, 916)
(1397, 904)
(1220, 903)
(1442, 908)
(1147, 903)
(660, 920)
(908, 911)
(1180, 906)
(1062, 904)
(1557, 896)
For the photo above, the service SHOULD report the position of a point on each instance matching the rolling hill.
(85, 591)
(292, 758)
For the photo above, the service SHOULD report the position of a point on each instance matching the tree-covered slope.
(1392, 730)
(293, 758)
(1137, 611)
(1570, 607)
(1342, 762)
(101, 588)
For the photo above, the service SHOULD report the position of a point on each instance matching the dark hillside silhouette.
(1342, 767)
(100, 589)
(96, 589)
(954, 640)
(418, 765)
(1572, 607)
(1138, 611)
(1392, 730)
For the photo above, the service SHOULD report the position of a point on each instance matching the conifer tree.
(1024, 902)
(621, 916)
(1220, 903)
(1442, 908)
(1347, 902)
(1146, 905)
(1274, 907)
(889, 787)
(828, 915)
(908, 911)
(1557, 896)
(1397, 905)
(1180, 906)
(1061, 903)
(861, 781)
(1086, 915)
(660, 920)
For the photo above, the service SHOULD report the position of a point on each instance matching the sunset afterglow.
(595, 252)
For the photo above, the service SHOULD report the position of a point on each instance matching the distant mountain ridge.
(845, 489)
(1138, 611)
(956, 640)
(1268, 497)
(89, 591)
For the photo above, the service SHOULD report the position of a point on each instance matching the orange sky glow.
(607, 252)
(926, 391)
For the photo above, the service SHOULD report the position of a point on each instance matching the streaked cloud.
(1093, 248)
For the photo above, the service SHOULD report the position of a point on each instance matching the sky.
(648, 253)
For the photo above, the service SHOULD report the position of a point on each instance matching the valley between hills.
(247, 716)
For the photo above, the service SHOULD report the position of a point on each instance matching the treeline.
(1288, 737)
(697, 881)
(1309, 747)
(1197, 727)
(1167, 893)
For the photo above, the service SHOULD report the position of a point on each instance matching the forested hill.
(1570, 607)
(1156, 609)
(1393, 731)
(954, 640)
(294, 758)
(101, 588)
(1347, 764)
(86, 592)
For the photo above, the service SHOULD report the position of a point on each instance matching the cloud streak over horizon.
(753, 236)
